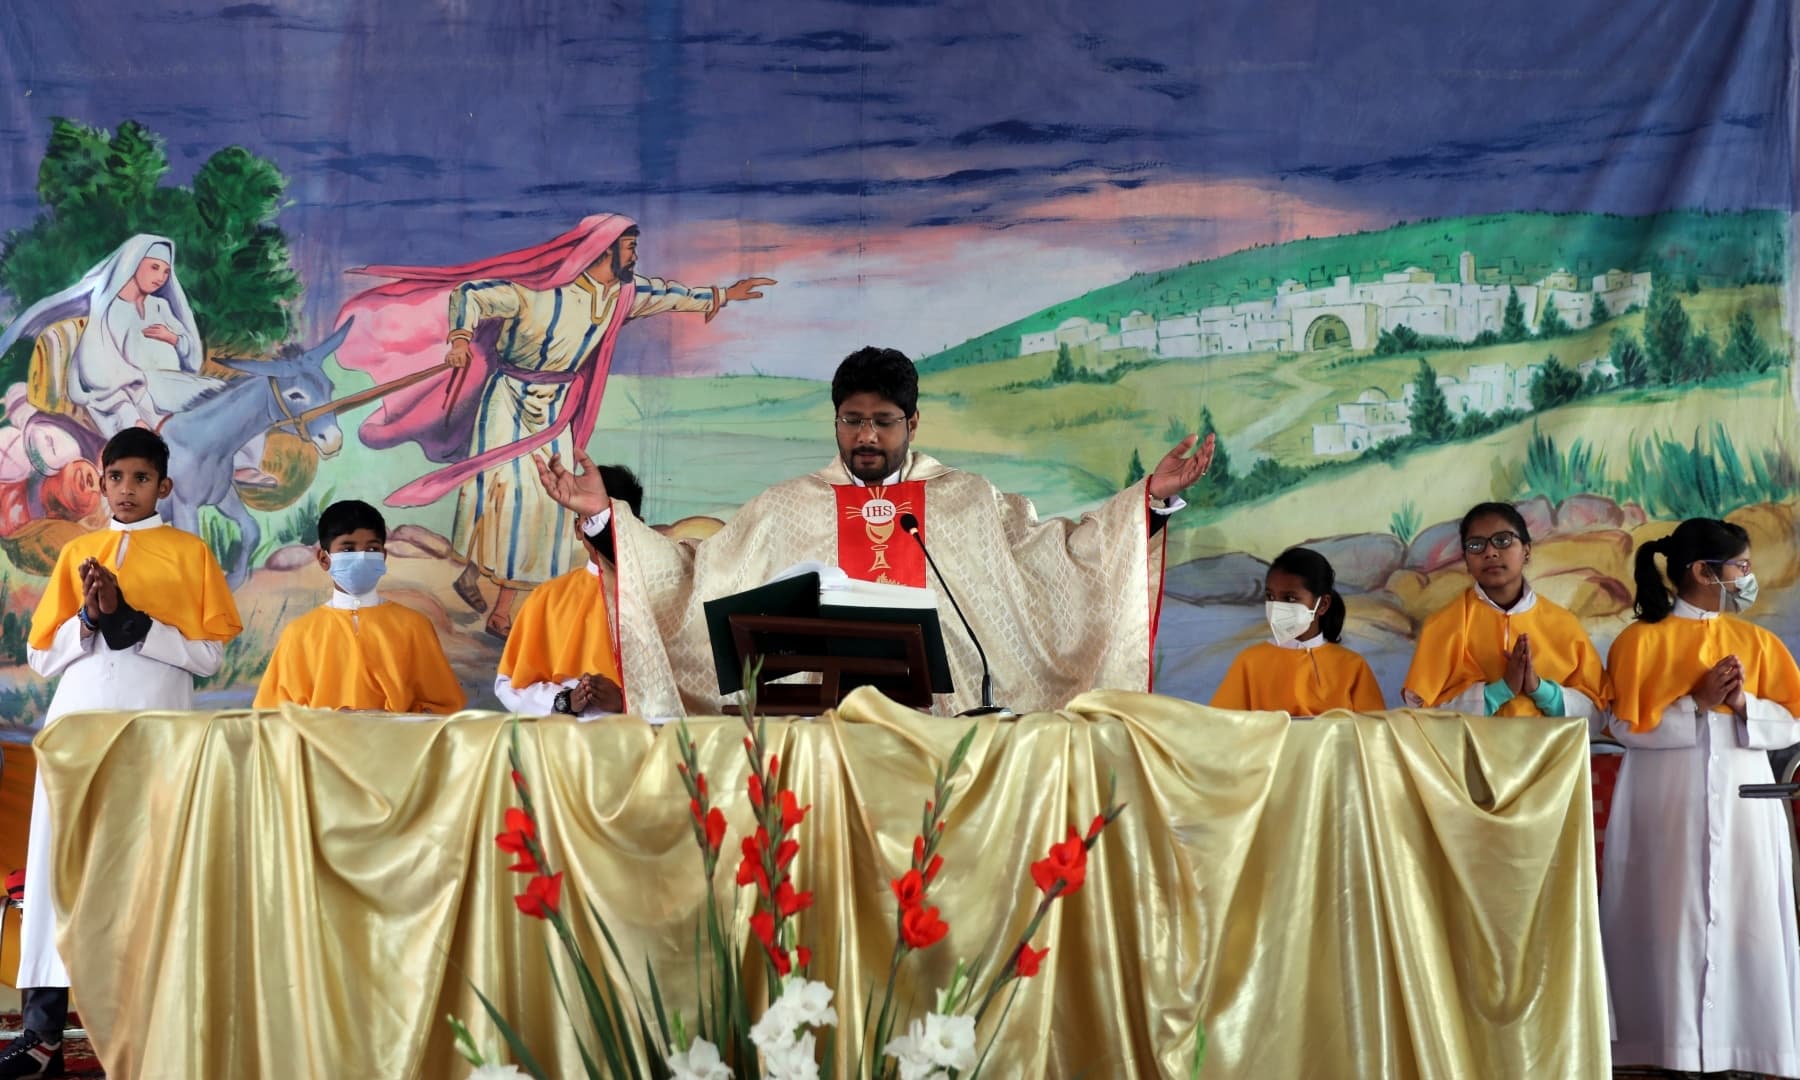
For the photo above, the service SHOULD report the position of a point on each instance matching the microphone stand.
(911, 524)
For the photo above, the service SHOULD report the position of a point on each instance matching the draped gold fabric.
(306, 894)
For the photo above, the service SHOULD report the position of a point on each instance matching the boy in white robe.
(130, 617)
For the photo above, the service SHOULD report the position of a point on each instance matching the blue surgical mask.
(357, 572)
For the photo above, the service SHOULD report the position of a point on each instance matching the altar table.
(307, 894)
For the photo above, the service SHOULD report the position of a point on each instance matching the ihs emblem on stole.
(880, 515)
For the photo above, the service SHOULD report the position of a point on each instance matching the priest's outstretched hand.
(580, 489)
(1176, 472)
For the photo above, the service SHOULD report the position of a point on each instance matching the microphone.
(911, 525)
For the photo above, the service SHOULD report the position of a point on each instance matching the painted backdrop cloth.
(116, 373)
(1401, 896)
(543, 396)
(1061, 606)
(403, 327)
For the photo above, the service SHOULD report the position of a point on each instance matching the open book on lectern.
(823, 591)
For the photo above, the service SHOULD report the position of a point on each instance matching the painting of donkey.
(204, 437)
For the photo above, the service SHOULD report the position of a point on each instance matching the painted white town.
(1346, 313)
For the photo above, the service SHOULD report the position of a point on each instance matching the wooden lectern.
(906, 677)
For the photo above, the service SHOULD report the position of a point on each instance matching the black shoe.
(29, 1055)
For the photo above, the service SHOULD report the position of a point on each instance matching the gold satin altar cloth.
(307, 894)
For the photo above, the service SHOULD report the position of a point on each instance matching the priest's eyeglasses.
(874, 423)
(1475, 545)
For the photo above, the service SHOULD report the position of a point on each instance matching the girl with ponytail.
(1697, 907)
(1303, 671)
(1500, 649)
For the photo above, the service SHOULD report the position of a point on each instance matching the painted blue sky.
(913, 172)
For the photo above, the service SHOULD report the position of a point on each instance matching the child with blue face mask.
(359, 652)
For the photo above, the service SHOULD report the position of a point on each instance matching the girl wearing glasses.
(1697, 907)
(1500, 649)
(1302, 670)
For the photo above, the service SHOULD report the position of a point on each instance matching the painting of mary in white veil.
(139, 356)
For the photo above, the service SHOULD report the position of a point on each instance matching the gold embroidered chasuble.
(1061, 606)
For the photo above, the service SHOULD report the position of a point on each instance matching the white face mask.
(1287, 621)
(1743, 596)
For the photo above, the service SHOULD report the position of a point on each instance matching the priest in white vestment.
(1060, 606)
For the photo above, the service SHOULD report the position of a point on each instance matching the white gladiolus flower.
(797, 1061)
(492, 1071)
(774, 1032)
(809, 1003)
(950, 1041)
(700, 1061)
(910, 1051)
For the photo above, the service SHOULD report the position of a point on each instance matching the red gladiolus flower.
(700, 783)
(518, 820)
(756, 792)
(921, 928)
(1029, 959)
(785, 853)
(802, 956)
(694, 810)
(792, 813)
(774, 765)
(1067, 863)
(751, 868)
(931, 872)
(762, 924)
(518, 780)
(1099, 823)
(520, 830)
(541, 897)
(783, 965)
(918, 850)
(789, 902)
(526, 864)
(909, 889)
(715, 829)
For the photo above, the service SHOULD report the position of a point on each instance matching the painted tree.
(1554, 384)
(1512, 323)
(98, 188)
(1135, 471)
(1064, 369)
(1744, 348)
(1628, 356)
(1598, 312)
(1431, 419)
(1667, 331)
(1702, 357)
(1211, 489)
(1552, 324)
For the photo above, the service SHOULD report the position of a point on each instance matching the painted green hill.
(1714, 249)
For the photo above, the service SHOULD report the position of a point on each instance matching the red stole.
(871, 544)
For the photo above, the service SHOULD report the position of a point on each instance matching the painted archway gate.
(1578, 301)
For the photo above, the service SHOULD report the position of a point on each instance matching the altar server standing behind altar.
(1302, 670)
(1061, 606)
(1500, 649)
(359, 652)
(559, 657)
(131, 616)
(1697, 901)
